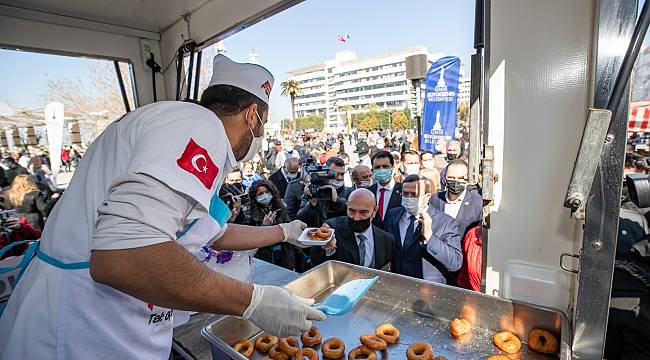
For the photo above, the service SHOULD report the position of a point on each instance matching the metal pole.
(120, 81)
(189, 74)
(153, 77)
(620, 86)
(197, 75)
(179, 72)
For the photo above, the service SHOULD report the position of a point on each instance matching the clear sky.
(302, 35)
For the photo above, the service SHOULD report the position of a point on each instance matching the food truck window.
(87, 88)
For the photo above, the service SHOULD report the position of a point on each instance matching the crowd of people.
(392, 206)
(28, 193)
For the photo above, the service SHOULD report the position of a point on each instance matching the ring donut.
(276, 354)
(507, 341)
(308, 353)
(388, 333)
(420, 351)
(311, 337)
(542, 341)
(264, 343)
(362, 353)
(333, 348)
(288, 345)
(498, 357)
(372, 342)
(460, 327)
(244, 347)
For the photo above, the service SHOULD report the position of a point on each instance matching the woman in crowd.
(41, 172)
(266, 209)
(28, 200)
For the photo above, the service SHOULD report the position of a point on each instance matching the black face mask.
(455, 187)
(451, 157)
(359, 226)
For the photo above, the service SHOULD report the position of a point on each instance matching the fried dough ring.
(244, 347)
(359, 351)
(311, 337)
(542, 341)
(333, 348)
(373, 342)
(420, 351)
(460, 327)
(289, 345)
(276, 354)
(507, 341)
(309, 353)
(388, 333)
(264, 343)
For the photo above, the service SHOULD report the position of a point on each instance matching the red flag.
(340, 38)
(196, 161)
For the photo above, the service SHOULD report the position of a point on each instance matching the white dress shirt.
(453, 207)
(370, 246)
(389, 190)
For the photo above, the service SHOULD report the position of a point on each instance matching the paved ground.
(64, 179)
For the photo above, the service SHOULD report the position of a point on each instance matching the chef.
(109, 271)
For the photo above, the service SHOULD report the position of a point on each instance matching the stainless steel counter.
(188, 341)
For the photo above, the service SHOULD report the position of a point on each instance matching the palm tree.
(292, 89)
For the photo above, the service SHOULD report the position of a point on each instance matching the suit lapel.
(378, 248)
(396, 229)
(395, 197)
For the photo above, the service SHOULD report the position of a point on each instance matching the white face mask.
(412, 169)
(256, 144)
(428, 164)
(365, 183)
(264, 199)
(415, 206)
(336, 183)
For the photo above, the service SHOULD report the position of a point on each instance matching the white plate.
(307, 241)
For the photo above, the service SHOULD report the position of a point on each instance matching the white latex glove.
(292, 231)
(278, 312)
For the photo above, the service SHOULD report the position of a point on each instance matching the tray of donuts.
(402, 317)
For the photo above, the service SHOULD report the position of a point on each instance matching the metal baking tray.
(421, 310)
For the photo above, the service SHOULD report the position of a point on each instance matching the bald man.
(358, 241)
(361, 176)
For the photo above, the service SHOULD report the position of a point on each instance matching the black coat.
(293, 197)
(347, 249)
(312, 215)
(278, 179)
(394, 201)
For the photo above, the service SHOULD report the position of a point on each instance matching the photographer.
(295, 188)
(326, 195)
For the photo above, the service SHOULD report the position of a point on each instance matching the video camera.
(319, 176)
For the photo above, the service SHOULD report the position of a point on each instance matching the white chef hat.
(250, 77)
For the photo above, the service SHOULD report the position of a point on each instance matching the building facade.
(641, 76)
(349, 85)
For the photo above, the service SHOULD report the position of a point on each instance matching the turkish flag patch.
(196, 161)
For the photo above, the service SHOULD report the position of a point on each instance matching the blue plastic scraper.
(346, 296)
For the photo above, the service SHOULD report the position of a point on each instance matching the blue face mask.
(383, 176)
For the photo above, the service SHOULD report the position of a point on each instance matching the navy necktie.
(408, 237)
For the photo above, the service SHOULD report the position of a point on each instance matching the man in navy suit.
(387, 191)
(465, 206)
(427, 240)
(359, 242)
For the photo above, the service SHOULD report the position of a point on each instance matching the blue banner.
(440, 102)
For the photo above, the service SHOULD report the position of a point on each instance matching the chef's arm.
(243, 237)
(167, 275)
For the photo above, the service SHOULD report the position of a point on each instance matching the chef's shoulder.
(176, 114)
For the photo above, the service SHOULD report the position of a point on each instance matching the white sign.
(54, 123)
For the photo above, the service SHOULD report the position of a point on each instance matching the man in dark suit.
(465, 206)
(284, 175)
(387, 191)
(427, 240)
(358, 241)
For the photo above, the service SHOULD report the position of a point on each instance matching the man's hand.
(276, 311)
(425, 220)
(292, 232)
(331, 245)
(312, 199)
(335, 195)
